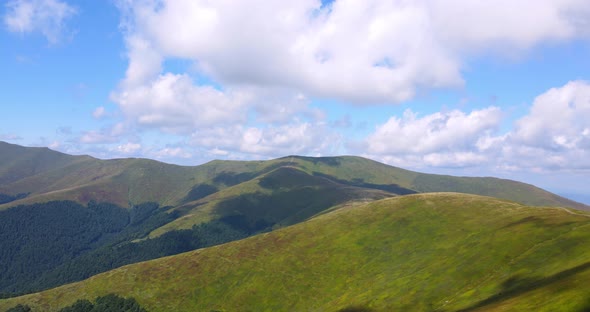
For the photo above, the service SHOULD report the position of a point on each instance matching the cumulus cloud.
(128, 148)
(257, 65)
(504, 26)
(553, 136)
(556, 132)
(439, 139)
(105, 135)
(171, 152)
(173, 103)
(271, 141)
(360, 51)
(278, 106)
(45, 16)
(559, 119)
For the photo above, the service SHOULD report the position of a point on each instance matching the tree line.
(55, 243)
(108, 303)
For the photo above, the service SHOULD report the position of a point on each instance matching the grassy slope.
(499, 188)
(350, 168)
(283, 196)
(120, 181)
(422, 252)
(50, 175)
(19, 162)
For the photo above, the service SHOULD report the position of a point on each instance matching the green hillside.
(19, 162)
(45, 245)
(61, 242)
(281, 197)
(44, 175)
(424, 252)
(204, 205)
(368, 173)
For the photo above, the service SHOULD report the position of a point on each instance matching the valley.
(293, 233)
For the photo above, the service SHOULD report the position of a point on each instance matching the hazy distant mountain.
(46, 175)
(581, 198)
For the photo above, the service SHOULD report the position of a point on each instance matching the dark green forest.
(108, 303)
(54, 243)
(39, 237)
(6, 198)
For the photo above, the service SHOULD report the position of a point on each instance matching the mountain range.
(294, 233)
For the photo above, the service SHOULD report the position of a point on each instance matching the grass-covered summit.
(423, 252)
(31, 175)
(195, 206)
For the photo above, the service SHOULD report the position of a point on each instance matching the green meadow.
(422, 252)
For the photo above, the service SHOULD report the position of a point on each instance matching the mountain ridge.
(129, 181)
(163, 209)
(421, 252)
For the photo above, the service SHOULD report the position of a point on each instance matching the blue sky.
(454, 87)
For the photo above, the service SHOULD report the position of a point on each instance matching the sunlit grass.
(427, 252)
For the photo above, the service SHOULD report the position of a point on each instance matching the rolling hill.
(44, 175)
(421, 252)
(187, 207)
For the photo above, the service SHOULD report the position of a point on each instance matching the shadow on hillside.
(6, 198)
(391, 188)
(515, 286)
(329, 161)
(252, 211)
(231, 178)
(585, 307)
(529, 219)
(293, 196)
(536, 221)
(356, 309)
(200, 191)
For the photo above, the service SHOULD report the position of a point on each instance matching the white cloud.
(505, 26)
(45, 16)
(218, 152)
(99, 112)
(54, 145)
(128, 148)
(559, 119)
(173, 103)
(273, 105)
(10, 137)
(360, 51)
(450, 131)
(553, 136)
(145, 63)
(260, 63)
(354, 51)
(171, 152)
(97, 137)
(455, 159)
(106, 135)
(288, 139)
(271, 141)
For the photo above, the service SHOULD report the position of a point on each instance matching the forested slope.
(424, 252)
